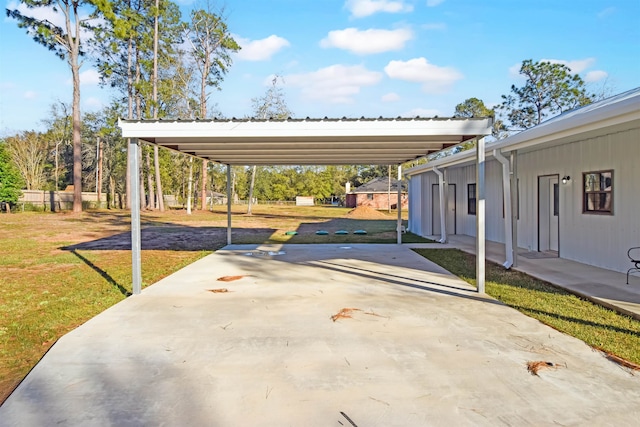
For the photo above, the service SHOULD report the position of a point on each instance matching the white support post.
(443, 212)
(508, 217)
(514, 206)
(134, 172)
(399, 224)
(229, 204)
(480, 215)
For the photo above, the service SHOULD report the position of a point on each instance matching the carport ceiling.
(308, 141)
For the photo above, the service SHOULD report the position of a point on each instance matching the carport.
(305, 142)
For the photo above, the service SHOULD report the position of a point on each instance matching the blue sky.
(367, 58)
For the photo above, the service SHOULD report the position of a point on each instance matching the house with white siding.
(569, 187)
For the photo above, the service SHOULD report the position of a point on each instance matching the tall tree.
(59, 137)
(65, 41)
(211, 49)
(549, 89)
(28, 151)
(10, 180)
(272, 105)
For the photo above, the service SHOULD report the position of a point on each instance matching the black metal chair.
(634, 256)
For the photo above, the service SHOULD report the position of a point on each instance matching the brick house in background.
(375, 194)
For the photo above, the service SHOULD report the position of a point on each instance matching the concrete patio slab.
(420, 348)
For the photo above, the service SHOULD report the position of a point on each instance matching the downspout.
(508, 218)
(443, 218)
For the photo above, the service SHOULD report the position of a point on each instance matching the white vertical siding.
(599, 240)
(415, 204)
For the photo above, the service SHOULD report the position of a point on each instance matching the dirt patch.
(366, 212)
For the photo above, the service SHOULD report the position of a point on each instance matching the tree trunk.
(156, 156)
(152, 197)
(203, 196)
(77, 137)
(99, 184)
(156, 161)
(253, 181)
(190, 186)
(143, 194)
(111, 203)
(127, 182)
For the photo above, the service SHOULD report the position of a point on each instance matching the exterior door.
(451, 210)
(548, 213)
(554, 213)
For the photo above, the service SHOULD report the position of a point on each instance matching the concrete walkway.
(420, 348)
(605, 287)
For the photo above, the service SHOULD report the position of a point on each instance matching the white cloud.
(30, 95)
(367, 41)
(390, 97)
(336, 84)
(89, 78)
(49, 14)
(434, 79)
(421, 112)
(514, 71)
(432, 3)
(362, 8)
(576, 66)
(596, 75)
(260, 50)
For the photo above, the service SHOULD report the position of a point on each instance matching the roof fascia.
(607, 115)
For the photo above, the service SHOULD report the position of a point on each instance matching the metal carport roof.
(308, 141)
(301, 142)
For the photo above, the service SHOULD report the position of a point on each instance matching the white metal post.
(228, 204)
(134, 173)
(399, 225)
(480, 215)
(443, 213)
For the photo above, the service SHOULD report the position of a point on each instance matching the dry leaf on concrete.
(229, 278)
(534, 367)
(345, 313)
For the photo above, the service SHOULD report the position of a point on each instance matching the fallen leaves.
(345, 313)
(534, 367)
(229, 278)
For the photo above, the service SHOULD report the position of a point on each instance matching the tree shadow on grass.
(173, 238)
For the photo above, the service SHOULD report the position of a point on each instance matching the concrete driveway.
(420, 348)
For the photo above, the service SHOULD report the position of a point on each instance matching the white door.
(451, 209)
(554, 213)
(548, 213)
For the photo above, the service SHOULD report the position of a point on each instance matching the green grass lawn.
(597, 326)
